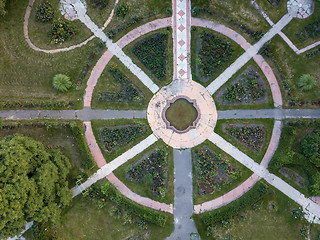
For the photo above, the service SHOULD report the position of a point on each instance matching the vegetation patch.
(293, 176)
(152, 52)
(311, 30)
(61, 31)
(99, 4)
(148, 214)
(213, 53)
(152, 170)
(247, 88)
(250, 135)
(225, 213)
(274, 3)
(128, 93)
(212, 171)
(44, 12)
(113, 138)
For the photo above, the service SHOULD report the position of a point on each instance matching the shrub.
(61, 82)
(122, 9)
(152, 52)
(61, 31)
(226, 212)
(153, 216)
(311, 30)
(44, 12)
(306, 82)
(99, 4)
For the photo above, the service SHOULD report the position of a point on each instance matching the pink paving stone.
(181, 13)
(181, 42)
(181, 0)
(181, 28)
(182, 72)
(182, 57)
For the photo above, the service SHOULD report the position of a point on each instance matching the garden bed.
(152, 52)
(247, 88)
(250, 135)
(128, 93)
(112, 138)
(152, 169)
(293, 176)
(212, 171)
(212, 54)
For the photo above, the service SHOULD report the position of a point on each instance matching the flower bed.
(251, 135)
(45, 104)
(247, 88)
(128, 93)
(312, 30)
(212, 171)
(274, 3)
(213, 54)
(152, 170)
(44, 12)
(152, 51)
(61, 31)
(114, 137)
(99, 4)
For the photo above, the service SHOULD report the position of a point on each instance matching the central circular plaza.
(183, 114)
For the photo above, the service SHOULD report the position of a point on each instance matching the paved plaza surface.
(182, 86)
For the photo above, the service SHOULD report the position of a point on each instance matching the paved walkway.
(282, 35)
(311, 208)
(268, 113)
(245, 57)
(183, 198)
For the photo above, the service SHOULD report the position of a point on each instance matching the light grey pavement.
(269, 113)
(183, 198)
(311, 208)
(247, 55)
(86, 114)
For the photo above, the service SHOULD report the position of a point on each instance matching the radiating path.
(245, 57)
(183, 197)
(310, 208)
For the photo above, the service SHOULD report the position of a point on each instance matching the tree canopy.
(32, 183)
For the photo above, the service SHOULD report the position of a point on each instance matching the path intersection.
(182, 86)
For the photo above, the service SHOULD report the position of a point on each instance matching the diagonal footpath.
(311, 209)
(115, 49)
(117, 162)
(249, 53)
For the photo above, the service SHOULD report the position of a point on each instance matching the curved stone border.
(101, 162)
(106, 57)
(26, 32)
(274, 86)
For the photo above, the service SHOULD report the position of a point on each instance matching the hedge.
(153, 216)
(259, 190)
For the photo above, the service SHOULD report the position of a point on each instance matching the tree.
(2, 7)
(306, 82)
(61, 82)
(32, 184)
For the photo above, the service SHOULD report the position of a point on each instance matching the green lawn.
(245, 106)
(139, 9)
(142, 188)
(26, 74)
(127, 50)
(270, 218)
(293, 66)
(98, 124)
(107, 83)
(237, 52)
(240, 10)
(256, 156)
(84, 220)
(245, 173)
(54, 138)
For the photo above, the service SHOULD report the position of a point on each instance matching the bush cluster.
(150, 215)
(99, 4)
(259, 190)
(44, 12)
(61, 31)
